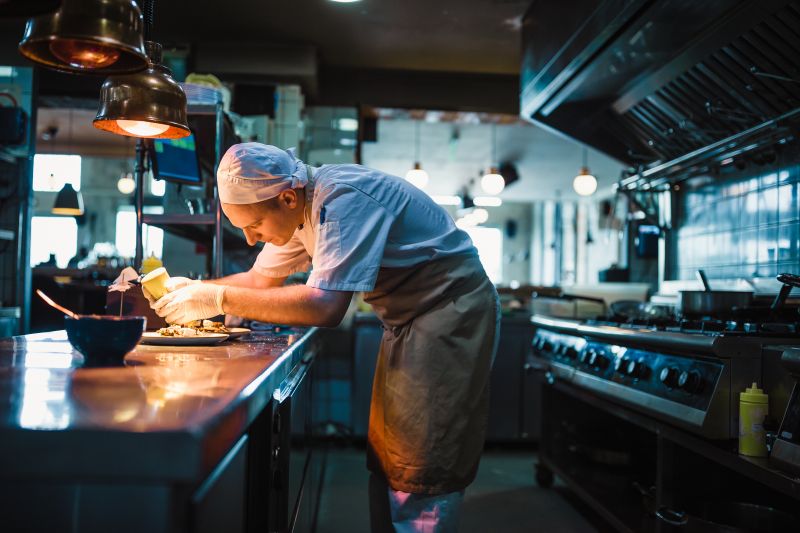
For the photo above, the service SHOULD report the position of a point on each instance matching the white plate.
(201, 339)
(235, 333)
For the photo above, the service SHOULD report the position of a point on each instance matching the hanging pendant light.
(88, 37)
(126, 183)
(68, 202)
(417, 176)
(492, 182)
(146, 104)
(585, 184)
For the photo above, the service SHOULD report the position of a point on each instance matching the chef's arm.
(251, 279)
(295, 305)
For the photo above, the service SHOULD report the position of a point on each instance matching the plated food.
(197, 339)
(193, 329)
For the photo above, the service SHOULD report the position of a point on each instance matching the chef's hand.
(172, 284)
(192, 302)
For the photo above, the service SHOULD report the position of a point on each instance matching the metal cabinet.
(513, 398)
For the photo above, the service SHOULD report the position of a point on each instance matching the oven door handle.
(289, 385)
(672, 517)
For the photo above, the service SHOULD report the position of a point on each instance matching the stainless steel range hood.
(663, 85)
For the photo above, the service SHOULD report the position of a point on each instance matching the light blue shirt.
(360, 221)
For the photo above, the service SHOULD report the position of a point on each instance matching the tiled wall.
(744, 222)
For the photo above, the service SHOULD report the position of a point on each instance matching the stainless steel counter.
(171, 413)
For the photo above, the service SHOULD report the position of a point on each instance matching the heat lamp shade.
(145, 104)
(68, 202)
(585, 184)
(87, 37)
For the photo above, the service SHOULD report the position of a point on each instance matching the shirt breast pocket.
(329, 244)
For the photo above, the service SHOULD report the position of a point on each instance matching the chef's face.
(273, 221)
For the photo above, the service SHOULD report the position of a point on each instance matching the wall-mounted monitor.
(176, 160)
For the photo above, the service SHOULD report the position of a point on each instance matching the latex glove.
(195, 301)
(172, 284)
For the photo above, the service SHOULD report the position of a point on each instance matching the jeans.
(394, 511)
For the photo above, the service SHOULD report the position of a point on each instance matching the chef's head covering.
(253, 172)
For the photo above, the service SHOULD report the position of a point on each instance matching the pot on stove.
(710, 302)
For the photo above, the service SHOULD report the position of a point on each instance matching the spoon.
(50, 302)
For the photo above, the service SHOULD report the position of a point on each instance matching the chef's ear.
(289, 198)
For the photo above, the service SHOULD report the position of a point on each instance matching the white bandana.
(253, 172)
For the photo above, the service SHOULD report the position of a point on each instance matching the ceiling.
(546, 163)
(477, 36)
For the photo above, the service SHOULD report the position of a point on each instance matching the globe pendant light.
(68, 202)
(146, 104)
(492, 182)
(88, 37)
(584, 183)
(126, 183)
(417, 176)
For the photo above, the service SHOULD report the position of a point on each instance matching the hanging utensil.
(701, 275)
(51, 303)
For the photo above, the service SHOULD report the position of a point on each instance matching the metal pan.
(711, 303)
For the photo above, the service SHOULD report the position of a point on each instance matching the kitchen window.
(152, 238)
(52, 171)
(56, 236)
(489, 242)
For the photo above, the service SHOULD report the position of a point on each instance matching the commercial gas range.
(685, 372)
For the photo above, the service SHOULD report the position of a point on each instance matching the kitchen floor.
(503, 499)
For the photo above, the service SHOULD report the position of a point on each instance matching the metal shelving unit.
(201, 100)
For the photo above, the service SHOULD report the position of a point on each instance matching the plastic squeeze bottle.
(753, 408)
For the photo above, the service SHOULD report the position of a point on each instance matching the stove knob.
(689, 381)
(669, 376)
(621, 364)
(634, 369)
(588, 355)
(571, 352)
(601, 361)
(547, 346)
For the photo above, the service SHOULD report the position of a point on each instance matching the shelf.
(757, 469)
(197, 228)
(179, 220)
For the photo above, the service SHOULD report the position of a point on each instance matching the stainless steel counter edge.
(184, 455)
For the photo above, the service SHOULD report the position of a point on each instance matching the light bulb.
(417, 176)
(584, 183)
(492, 182)
(82, 54)
(480, 215)
(126, 184)
(140, 128)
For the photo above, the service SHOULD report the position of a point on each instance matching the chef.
(359, 229)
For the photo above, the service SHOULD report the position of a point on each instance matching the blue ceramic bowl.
(104, 339)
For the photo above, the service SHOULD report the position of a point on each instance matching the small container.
(155, 282)
(753, 408)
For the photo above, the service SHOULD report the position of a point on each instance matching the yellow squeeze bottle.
(753, 408)
(151, 263)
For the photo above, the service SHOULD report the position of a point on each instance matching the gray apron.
(430, 396)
